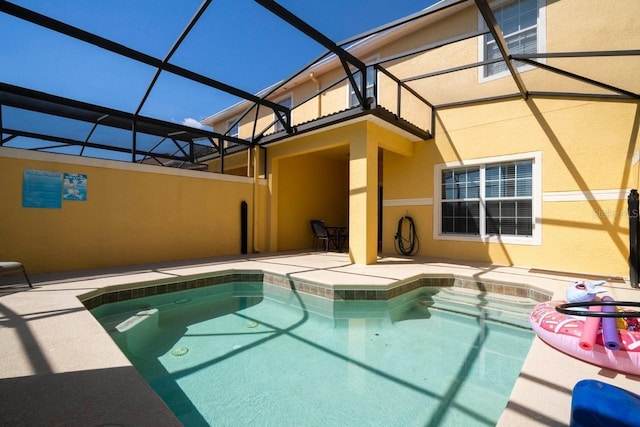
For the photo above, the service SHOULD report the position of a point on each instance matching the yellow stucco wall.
(587, 146)
(408, 181)
(592, 27)
(328, 102)
(133, 214)
(587, 149)
(310, 187)
(331, 175)
(570, 27)
(308, 179)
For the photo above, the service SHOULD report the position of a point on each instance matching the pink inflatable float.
(612, 342)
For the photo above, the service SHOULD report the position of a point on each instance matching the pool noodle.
(590, 330)
(609, 327)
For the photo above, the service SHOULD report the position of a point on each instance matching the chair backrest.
(318, 228)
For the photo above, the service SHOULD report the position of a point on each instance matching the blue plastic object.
(597, 404)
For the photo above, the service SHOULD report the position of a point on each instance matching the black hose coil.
(407, 246)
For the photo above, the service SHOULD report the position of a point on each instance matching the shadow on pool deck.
(57, 364)
(93, 397)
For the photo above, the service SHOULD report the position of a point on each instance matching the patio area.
(59, 366)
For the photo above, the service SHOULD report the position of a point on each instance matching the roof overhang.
(360, 46)
(378, 115)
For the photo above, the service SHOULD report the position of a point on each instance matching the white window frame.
(230, 126)
(350, 91)
(541, 38)
(536, 192)
(278, 126)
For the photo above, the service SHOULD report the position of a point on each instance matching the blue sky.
(237, 42)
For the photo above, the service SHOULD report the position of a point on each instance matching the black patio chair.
(321, 234)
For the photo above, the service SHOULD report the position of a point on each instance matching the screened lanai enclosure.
(129, 90)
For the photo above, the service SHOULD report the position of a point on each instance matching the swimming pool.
(262, 355)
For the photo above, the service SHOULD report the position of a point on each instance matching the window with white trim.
(461, 201)
(522, 24)
(353, 98)
(486, 200)
(233, 128)
(509, 199)
(286, 102)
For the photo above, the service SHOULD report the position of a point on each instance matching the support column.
(256, 198)
(273, 175)
(363, 199)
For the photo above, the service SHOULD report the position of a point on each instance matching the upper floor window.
(371, 75)
(286, 102)
(499, 199)
(233, 127)
(522, 23)
(232, 130)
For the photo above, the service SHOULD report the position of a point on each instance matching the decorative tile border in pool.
(123, 293)
(498, 287)
(138, 290)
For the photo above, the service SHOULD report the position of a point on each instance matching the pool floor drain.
(179, 351)
(251, 324)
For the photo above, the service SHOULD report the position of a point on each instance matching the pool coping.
(343, 292)
(53, 347)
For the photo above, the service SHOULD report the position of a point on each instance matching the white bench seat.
(13, 267)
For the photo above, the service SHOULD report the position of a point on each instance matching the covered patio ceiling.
(91, 129)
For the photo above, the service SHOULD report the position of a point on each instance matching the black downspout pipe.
(134, 142)
(243, 227)
(634, 205)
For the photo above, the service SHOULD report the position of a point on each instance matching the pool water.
(267, 356)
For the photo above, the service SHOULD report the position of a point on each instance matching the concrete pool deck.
(59, 367)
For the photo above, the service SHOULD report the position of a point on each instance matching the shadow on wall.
(614, 227)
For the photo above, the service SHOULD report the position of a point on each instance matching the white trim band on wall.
(426, 201)
(582, 196)
(559, 196)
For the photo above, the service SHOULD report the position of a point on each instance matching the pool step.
(134, 329)
(137, 319)
(497, 307)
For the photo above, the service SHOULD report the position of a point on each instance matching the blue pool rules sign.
(41, 189)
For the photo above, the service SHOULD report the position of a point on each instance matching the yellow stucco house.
(525, 161)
